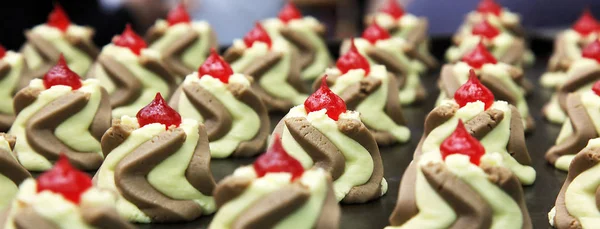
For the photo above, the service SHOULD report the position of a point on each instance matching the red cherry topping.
(216, 67)
(64, 180)
(353, 60)
(277, 160)
(485, 29)
(130, 39)
(58, 18)
(258, 33)
(479, 56)
(2, 52)
(473, 91)
(158, 111)
(489, 6)
(289, 12)
(61, 74)
(592, 51)
(374, 33)
(596, 88)
(324, 98)
(178, 15)
(461, 142)
(586, 23)
(392, 8)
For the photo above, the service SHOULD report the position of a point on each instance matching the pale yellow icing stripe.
(75, 131)
(359, 164)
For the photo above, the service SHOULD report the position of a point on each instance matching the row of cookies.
(455, 188)
(175, 183)
(156, 164)
(472, 160)
(574, 75)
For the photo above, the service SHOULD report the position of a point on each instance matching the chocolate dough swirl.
(560, 61)
(471, 208)
(131, 172)
(449, 84)
(514, 28)
(417, 39)
(9, 166)
(96, 217)
(583, 161)
(583, 130)
(128, 86)
(580, 78)
(264, 64)
(172, 55)
(515, 53)
(479, 126)
(307, 49)
(394, 66)
(355, 94)
(49, 53)
(326, 155)
(217, 118)
(40, 127)
(274, 207)
(6, 119)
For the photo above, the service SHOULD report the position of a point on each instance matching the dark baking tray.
(540, 196)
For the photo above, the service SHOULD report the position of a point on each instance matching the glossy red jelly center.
(586, 23)
(485, 29)
(58, 18)
(374, 33)
(258, 33)
(130, 39)
(289, 12)
(473, 91)
(178, 15)
(392, 8)
(61, 74)
(2, 52)
(489, 6)
(479, 56)
(216, 67)
(353, 60)
(277, 160)
(64, 180)
(596, 88)
(592, 51)
(461, 142)
(324, 98)
(158, 111)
